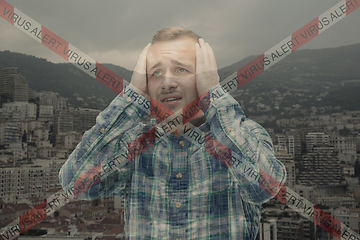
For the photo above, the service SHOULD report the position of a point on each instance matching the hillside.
(307, 81)
(323, 80)
(63, 78)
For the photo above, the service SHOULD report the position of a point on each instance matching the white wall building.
(26, 110)
(10, 132)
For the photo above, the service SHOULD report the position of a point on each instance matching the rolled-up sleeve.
(258, 174)
(98, 166)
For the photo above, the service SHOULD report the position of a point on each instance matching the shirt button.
(128, 99)
(178, 205)
(178, 175)
(178, 239)
(102, 130)
(212, 99)
(228, 129)
(181, 143)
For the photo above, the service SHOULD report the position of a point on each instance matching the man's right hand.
(138, 79)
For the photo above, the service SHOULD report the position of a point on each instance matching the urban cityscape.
(39, 130)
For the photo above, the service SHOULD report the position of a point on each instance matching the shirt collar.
(205, 127)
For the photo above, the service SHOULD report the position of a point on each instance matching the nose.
(169, 81)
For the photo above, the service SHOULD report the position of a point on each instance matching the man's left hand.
(206, 69)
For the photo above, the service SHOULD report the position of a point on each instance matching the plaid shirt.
(175, 189)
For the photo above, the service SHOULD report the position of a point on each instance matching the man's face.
(171, 72)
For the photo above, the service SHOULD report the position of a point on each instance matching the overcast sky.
(116, 31)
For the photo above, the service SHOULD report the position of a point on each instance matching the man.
(175, 188)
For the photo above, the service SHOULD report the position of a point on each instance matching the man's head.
(171, 67)
(173, 33)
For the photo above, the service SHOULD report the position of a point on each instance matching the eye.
(182, 70)
(156, 73)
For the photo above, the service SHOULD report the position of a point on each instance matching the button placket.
(179, 182)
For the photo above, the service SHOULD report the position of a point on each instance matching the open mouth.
(171, 99)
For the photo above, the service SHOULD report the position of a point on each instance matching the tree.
(357, 168)
(344, 132)
(24, 137)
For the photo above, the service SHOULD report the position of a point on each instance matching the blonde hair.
(172, 33)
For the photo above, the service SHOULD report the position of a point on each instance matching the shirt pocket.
(207, 174)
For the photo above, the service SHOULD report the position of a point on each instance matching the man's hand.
(138, 79)
(206, 69)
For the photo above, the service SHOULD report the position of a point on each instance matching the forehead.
(179, 49)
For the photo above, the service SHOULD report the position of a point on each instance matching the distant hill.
(63, 78)
(322, 80)
(325, 80)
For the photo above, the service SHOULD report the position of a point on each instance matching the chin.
(175, 109)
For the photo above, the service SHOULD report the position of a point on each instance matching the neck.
(197, 122)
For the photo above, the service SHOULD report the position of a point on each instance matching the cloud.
(116, 31)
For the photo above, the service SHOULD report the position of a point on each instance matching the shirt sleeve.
(99, 167)
(247, 147)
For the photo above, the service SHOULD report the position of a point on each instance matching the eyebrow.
(173, 61)
(156, 65)
(179, 63)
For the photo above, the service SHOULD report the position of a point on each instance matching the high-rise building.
(316, 139)
(13, 85)
(9, 132)
(281, 140)
(63, 121)
(290, 141)
(46, 112)
(289, 163)
(25, 180)
(320, 167)
(73, 120)
(84, 119)
(294, 144)
(290, 228)
(52, 98)
(346, 147)
(26, 110)
(285, 228)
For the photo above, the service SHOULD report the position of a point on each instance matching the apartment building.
(288, 161)
(13, 85)
(33, 180)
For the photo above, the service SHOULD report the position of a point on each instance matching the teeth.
(170, 99)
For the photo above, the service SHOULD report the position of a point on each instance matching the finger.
(146, 48)
(201, 42)
(203, 52)
(138, 80)
(199, 57)
(211, 56)
(202, 46)
(207, 52)
(141, 63)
